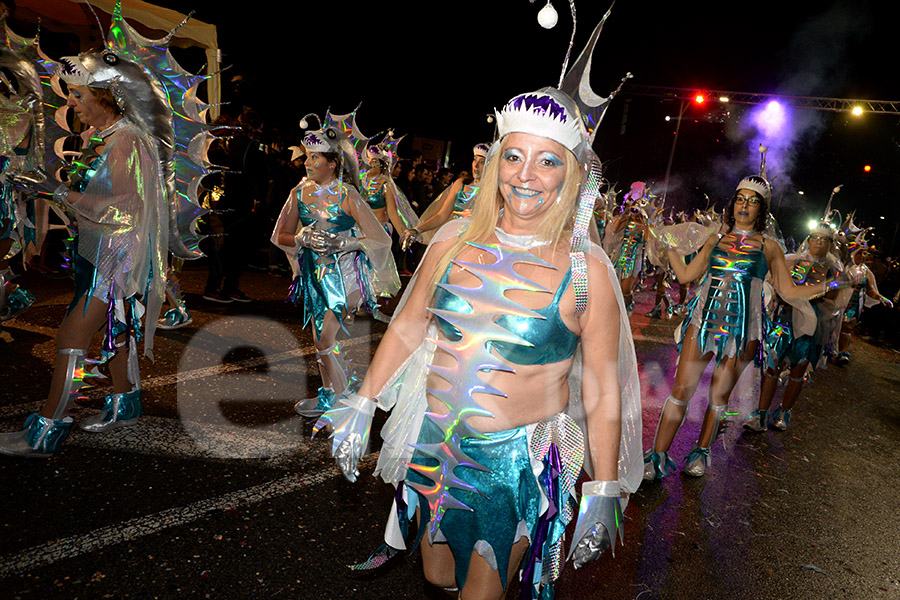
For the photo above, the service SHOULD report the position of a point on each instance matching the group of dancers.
(508, 366)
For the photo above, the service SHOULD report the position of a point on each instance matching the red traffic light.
(867, 168)
(699, 98)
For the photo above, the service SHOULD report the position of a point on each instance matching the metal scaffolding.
(890, 107)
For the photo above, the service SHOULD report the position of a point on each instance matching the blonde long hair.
(555, 228)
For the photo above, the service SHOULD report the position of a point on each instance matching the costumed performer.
(455, 202)
(118, 198)
(339, 251)
(725, 319)
(501, 345)
(386, 200)
(631, 226)
(865, 295)
(786, 343)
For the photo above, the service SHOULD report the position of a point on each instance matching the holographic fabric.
(324, 283)
(462, 204)
(630, 255)
(375, 194)
(783, 341)
(122, 237)
(547, 337)
(727, 311)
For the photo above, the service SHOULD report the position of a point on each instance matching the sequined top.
(629, 251)
(462, 204)
(727, 311)
(551, 341)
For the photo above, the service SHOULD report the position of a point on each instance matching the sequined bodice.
(732, 269)
(323, 208)
(462, 204)
(551, 341)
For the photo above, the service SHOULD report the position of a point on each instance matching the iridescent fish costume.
(630, 256)
(783, 341)
(727, 311)
(323, 283)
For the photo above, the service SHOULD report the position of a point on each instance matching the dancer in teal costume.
(340, 253)
(725, 319)
(498, 309)
(790, 340)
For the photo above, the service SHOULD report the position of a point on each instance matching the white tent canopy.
(75, 16)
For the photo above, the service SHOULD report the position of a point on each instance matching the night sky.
(436, 69)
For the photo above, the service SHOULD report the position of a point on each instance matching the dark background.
(435, 70)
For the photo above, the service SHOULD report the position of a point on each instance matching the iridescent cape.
(404, 396)
(122, 214)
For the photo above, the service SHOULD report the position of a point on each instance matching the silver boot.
(781, 420)
(120, 410)
(697, 462)
(41, 438)
(758, 421)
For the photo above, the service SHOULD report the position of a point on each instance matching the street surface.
(219, 494)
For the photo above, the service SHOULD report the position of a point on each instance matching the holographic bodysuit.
(727, 312)
(781, 341)
(631, 255)
(462, 204)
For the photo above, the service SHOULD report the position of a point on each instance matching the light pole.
(682, 109)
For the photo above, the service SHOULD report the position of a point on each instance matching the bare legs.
(331, 368)
(76, 332)
(691, 365)
(482, 582)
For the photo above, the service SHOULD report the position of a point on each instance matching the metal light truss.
(890, 107)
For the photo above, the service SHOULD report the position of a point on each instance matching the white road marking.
(211, 371)
(22, 562)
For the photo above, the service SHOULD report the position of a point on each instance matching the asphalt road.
(217, 494)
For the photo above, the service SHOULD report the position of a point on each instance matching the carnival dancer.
(339, 251)
(121, 191)
(21, 148)
(498, 309)
(795, 338)
(724, 320)
(865, 294)
(631, 226)
(385, 199)
(455, 202)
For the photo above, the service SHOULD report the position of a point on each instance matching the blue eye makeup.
(510, 153)
(551, 159)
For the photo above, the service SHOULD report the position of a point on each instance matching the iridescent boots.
(41, 438)
(119, 410)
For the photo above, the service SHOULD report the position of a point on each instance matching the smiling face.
(746, 208)
(532, 170)
(319, 168)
